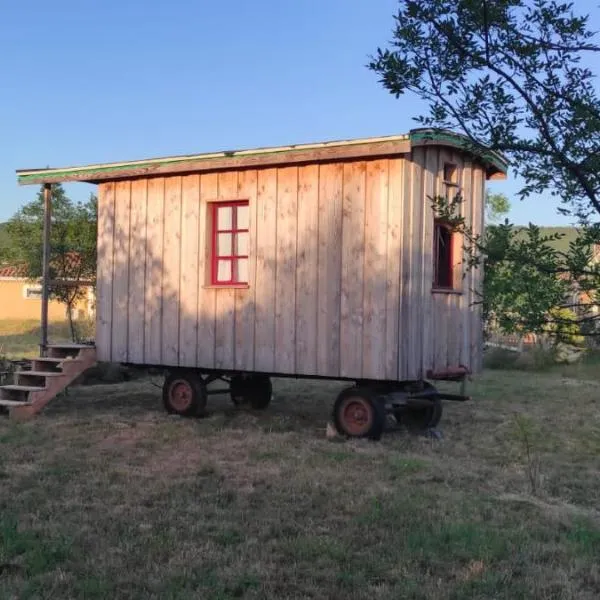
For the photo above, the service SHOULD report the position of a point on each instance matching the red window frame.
(233, 258)
(443, 275)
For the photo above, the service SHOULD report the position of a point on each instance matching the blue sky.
(84, 82)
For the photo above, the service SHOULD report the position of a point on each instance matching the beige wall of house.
(21, 299)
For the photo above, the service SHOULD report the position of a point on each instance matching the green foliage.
(529, 285)
(528, 437)
(72, 244)
(496, 206)
(564, 327)
(508, 74)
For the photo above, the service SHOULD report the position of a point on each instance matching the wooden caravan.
(319, 260)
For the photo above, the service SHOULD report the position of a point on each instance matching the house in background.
(21, 298)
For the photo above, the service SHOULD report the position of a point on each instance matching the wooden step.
(40, 373)
(72, 346)
(28, 378)
(69, 350)
(13, 403)
(22, 388)
(55, 360)
(63, 365)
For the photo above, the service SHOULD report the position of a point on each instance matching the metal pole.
(46, 266)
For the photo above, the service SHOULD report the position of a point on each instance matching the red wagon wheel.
(357, 413)
(184, 394)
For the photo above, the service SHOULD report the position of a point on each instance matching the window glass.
(224, 270)
(242, 270)
(242, 244)
(442, 276)
(224, 244)
(224, 218)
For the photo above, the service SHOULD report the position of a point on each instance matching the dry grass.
(104, 496)
(20, 338)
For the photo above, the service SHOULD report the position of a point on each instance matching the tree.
(511, 76)
(72, 245)
(496, 206)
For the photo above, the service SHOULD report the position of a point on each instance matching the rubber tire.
(237, 390)
(420, 419)
(378, 418)
(420, 422)
(199, 397)
(260, 391)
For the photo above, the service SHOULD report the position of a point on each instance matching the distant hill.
(569, 234)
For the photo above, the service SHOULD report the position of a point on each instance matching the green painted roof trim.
(58, 175)
(25, 175)
(416, 135)
(455, 139)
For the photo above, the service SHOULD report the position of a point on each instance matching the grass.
(105, 496)
(20, 338)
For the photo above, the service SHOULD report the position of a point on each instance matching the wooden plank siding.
(104, 271)
(375, 270)
(137, 271)
(225, 298)
(329, 280)
(307, 269)
(285, 271)
(171, 272)
(245, 299)
(190, 269)
(122, 254)
(340, 271)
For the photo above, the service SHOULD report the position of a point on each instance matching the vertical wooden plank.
(225, 323)
(442, 316)
(245, 298)
(266, 258)
(154, 265)
(206, 295)
(190, 267)
(137, 270)
(375, 270)
(285, 285)
(121, 271)
(475, 324)
(477, 330)
(431, 189)
(104, 277)
(415, 334)
(353, 255)
(171, 271)
(466, 297)
(307, 266)
(406, 281)
(455, 317)
(394, 267)
(329, 275)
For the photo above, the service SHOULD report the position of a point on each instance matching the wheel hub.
(357, 416)
(181, 395)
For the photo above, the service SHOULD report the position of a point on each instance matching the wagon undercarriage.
(361, 410)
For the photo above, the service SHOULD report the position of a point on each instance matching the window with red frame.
(443, 272)
(230, 241)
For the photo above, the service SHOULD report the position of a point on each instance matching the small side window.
(443, 259)
(451, 180)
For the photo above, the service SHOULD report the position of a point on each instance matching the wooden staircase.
(39, 382)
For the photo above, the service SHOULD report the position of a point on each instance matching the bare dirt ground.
(104, 496)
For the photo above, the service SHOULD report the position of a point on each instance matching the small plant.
(527, 435)
(7, 368)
